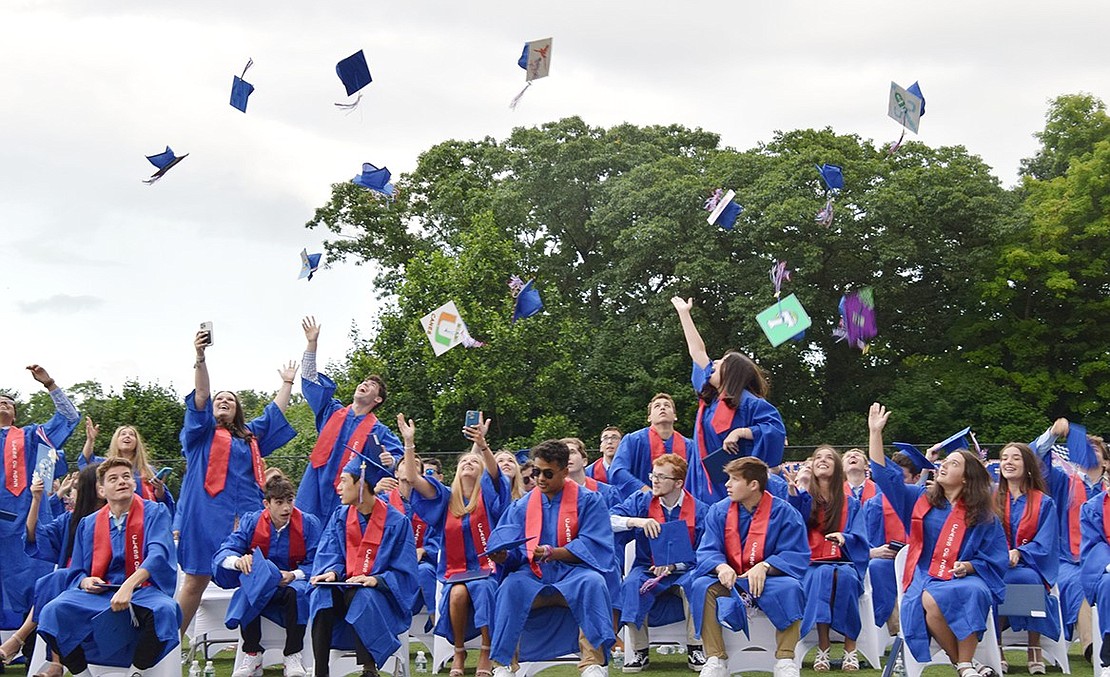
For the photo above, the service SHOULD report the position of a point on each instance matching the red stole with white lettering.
(362, 547)
(659, 448)
(565, 531)
(687, 513)
(133, 543)
(419, 526)
(15, 463)
(746, 553)
(948, 545)
(1106, 515)
(1027, 525)
(819, 547)
(219, 456)
(721, 421)
(328, 436)
(454, 545)
(261, 536)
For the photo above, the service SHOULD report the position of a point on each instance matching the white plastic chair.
(869, 643)
(1096, 640)
(169, 666)
(207, 627)
(1055, 651)
(339, 662)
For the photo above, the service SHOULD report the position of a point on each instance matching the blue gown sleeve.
(510, 528)
(160, 552)
(400, 566)
(711, 549)
(790, 547)
(237, 543)
(1095, 551)
(432, 510)
(768, 430)
(272, 429)
(893, 485)
(330, 551)
(990, 557)
(1042, 553)
(311, 542)
(497, 494)
(321, 398)
(199, 426)
(594, 542)
(81, 462)
(620, 470)
(49, 539)
(857, 547)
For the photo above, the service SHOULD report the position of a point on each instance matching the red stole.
(1106, 515)
(1027, 525)
(15, 463)
(743, 555)
(455, 547)
(362, 547)
(565, 531)
(948, 545)
(687, 513)
(678, 445)
(590, 483)
(133, 541)
(219, 455)
(419, 526)
(599, 471)
(819, 547)
(721, 421)
(262, 530)
(893, 527)
(1077, 496)
(328, 436)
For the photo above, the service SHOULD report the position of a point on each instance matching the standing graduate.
(638, 450)
(121, 609)
(128, 443)
(946, 599)
(463, 517)
(368, 544)
(733, 412)
(343, 430)
(224, 474)
(397, 491)
(664, 600)
(19, 446)
(754, 542)
(600, 469)
(287, 538)
(1096, 567)
(569, 548)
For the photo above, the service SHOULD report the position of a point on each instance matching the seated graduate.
(368, 544)
(569, 547)
(278, 588)
(128, 443)
(463, 517)
(754, 542)
(600, 469)
(398, 492)
(838, 549)
(658, 601)
(638, 450)
(120, 609)
(510, 468)
(1095, 560)
(1029, 521)
(946, 599)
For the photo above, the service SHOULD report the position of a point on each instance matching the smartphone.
(896, 545)
(164, 473)
(472, 418)
(207, 328)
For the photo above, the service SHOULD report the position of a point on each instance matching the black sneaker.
(640, 660)
(695, 657)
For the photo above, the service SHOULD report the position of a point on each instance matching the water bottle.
(680, 649)
(209, 669)
(421, 662)
(618, 659)
(664, 649)
(194, 669)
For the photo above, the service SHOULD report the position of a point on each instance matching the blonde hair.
(575, 444)
(141, 462)
(516, 482)
(458, 506)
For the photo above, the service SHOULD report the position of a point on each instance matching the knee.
(929, 604)
(458, 595)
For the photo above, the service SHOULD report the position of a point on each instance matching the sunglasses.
(548, 473)
(429, 472)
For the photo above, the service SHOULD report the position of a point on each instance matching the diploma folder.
(715, 465)
(672, 546)
(1023, 599)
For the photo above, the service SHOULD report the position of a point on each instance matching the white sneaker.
(786, 667)
(250, 665)
(503, 671)
(715, 666)
(134, 672)
(1105, 672)
(294, 666)
(595, 671)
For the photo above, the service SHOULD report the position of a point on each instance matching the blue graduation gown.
(426, 567)
(964, 602)
(845, 575)
(167, 495)
(316, 494)
(65, 622)
(18, 572)
(786, 550)
(434, 511)
(768, 431)
(884, 587)
(205, 521)
(1094, 558)
(1039, 564)
(379, 614)
(239, 543)
(663, 609)
(547, 632)
(632, 462)
(50, 545)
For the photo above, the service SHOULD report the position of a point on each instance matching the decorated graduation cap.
(536, 62)
(723, 209)
(915, 456)
(355, 74)
(956, 442)
(1080, 451)
(786, 319)
(375, 178)
(164, 161)
(309, 264)
(241, 89)
(366, 469)
(905, 106)
(446, 329)
(857, 318)
(527, 297)
(256, 589)
(833, 176)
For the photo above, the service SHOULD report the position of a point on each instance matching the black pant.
(147, 649)
(322, 626)
(1104, 652)
(286, 598)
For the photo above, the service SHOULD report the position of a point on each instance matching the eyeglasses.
(610, 438)
(656, 476)
(548, 473)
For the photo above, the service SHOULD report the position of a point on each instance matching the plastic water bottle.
(680, 649)
(209, 669)
(421, 662)
(618, 659)
(664, 649)
(194, 669)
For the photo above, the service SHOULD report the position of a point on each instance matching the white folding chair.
(207, 627)
(758, 653)
(869, 643)
(169, 666)
(1096, 640)
(1055, 651)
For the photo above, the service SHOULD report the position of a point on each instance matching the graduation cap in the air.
(906, 106)
(256, 589)
(241, 89)
(309, 264)
(522, 457)
(375, 178)
(857, 318)
(915, 456)
(833, 176)
(1079, 449)
(536, 62)
(723, 209)
(527, 297)
(164, 162)
(355, 75)
(915, 89)
(957, 441)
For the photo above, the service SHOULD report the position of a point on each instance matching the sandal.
(1036, 661)
(966, 670)
(851, 661)
(483, 672)
(50, 669)
(983, 670)
(458, 672)
(821, 661)
(10, 649)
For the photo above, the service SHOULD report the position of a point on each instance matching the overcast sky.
(105, 278)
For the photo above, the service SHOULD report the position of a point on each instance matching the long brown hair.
(238, 425)
(738, 373)
(1033, 478)
(976, 493)
(831, 503)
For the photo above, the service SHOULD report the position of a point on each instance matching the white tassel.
(516, 99)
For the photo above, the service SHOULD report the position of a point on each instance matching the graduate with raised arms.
(945, 598)
(463, 517)
(600, 469)
(568, 549)
(344, 430)
(120, 610)
(128, 443)
(397, 491)
(366, 544)
(733, 412)
(651, 591)
(638, 450)
(277, 588)
(754, 542)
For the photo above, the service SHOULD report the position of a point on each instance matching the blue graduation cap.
(309, 264)
(115, 635)
(522, 457)
(723, 209)
(523, 60)
(1079, 449)
(505, 545)
(354, 72)
(957, 441)
(374, 178)
(241, 89)
(672, 546)
(528, 301)
(915, 89)
(994, 469)
(833, 176)
(914, 455)
(732, 612)
(164, 161)
(256, 589)
(715, 465)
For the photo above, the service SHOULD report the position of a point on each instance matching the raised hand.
(407, 429)
(91, 429)
(682, 305)
(877, 417)
(311, 329)
(289, 371)
(40, 375)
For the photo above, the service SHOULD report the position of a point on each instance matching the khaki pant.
(590, 655)
(713, 638)
(640, 639)
(1083, 625)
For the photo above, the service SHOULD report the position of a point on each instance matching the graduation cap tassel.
(893, 148)
(825, 216)
(250, 62)
(349, 106)
(516, 99)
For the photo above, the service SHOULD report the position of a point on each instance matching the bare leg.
(192, 589)
(458, 611)
(11, 646)
(938, 628)
(823, 636)
(484, 666)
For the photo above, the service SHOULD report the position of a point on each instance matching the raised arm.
(412, 473)
(200, 372)
(33, 513)
(477, 436)
(876, 421)
(311, 335)
(287, 374)
(694, 343)
(91, 431)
